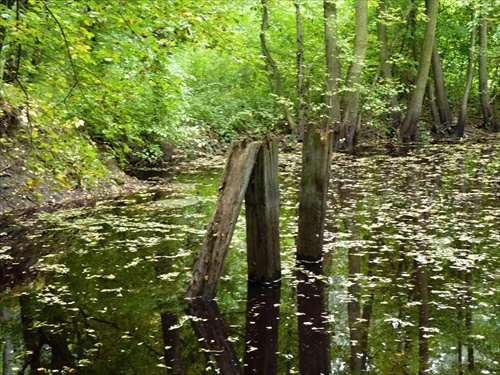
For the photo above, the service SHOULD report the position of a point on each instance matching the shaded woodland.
(136, 79)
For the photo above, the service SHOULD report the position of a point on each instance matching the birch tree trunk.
(332, 97)
(300, 74)
(462, 117)
(395, 113)
(350, 102)
(489, 119)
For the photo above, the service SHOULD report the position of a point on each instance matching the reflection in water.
(210, 328)
(412, 248)
(261, 334)
(314, 338)
(171, 342)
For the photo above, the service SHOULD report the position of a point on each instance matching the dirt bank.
(16, 193)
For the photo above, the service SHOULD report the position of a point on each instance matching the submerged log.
(262, 216)
(316, 162)
(234, 183)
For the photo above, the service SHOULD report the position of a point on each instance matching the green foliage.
(226, 95)
(139, 73)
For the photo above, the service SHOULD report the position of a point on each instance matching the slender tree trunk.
(350, 102)
(271, 63)
(462, 117)
(489, 119)
(332, 97)
(443, 106)
(413, 28)
(301, 105)
(431, 97)
(395, 113)
(408, 128)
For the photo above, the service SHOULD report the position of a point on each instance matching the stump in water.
(316, 162)
(262, 216)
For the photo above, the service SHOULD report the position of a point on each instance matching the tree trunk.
(462, 117)
(431, 98)
(350, 102)
(443, 106)
(408, 128)
(274, 69)
(300, 74)
(395, 113)
(489, 119)
(332, 97)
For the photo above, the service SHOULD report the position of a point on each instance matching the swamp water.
(409, 282)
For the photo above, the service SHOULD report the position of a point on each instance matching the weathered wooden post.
(262, 216)
(316, 162)
(208, 267)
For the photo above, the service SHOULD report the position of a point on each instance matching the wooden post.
(208, 267)
(316, 162)
(262, 216)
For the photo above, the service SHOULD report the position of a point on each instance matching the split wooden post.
(234, 183)
(316, 165)
(262, 216)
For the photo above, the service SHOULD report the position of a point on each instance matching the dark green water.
(410, 279)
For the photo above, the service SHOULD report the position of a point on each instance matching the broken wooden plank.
(262, 216)
(316, 162)
(208, 268)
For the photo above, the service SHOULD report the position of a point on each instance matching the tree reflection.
(210, 328)
(314, 338)
(171, 341)
(261, 334)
